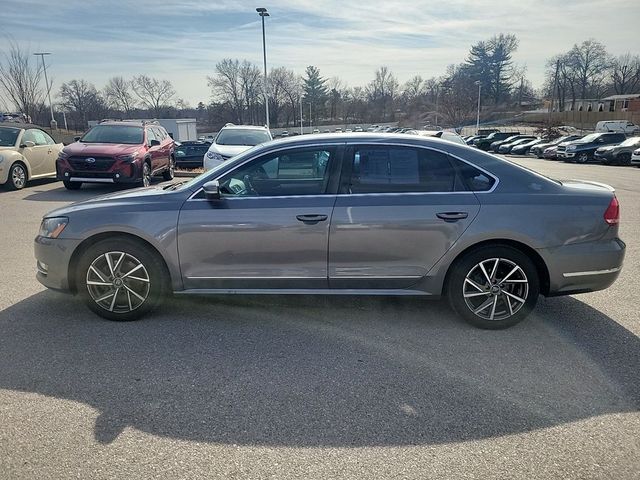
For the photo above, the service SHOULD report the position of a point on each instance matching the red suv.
(117, 152)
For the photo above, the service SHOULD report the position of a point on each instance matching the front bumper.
(52, 261)
(583, 267)
(120, 172)
(565, 155)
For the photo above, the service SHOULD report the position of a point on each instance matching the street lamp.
(263, 13)
(54, 124)
(478, 115)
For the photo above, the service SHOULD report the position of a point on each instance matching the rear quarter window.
(472, 178)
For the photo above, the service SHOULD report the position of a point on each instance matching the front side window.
(150, 136)
(401, 169)
(292, 172)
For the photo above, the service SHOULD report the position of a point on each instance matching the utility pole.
(54, 124)
(310, 129)
(301, 127)
(553, 92)
(478, 115)
(263, 13)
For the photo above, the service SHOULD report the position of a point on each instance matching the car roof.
(244, 127)
(19, 125)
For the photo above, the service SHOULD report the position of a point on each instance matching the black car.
(524, 147)
(495, 146)
(617, 154)
(190, 154)
(582, 151)
(484, 143)
(539, 148)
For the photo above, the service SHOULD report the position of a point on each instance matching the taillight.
(612, 214)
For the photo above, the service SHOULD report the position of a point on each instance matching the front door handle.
(452, 216)
(311, 219)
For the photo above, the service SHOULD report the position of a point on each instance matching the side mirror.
(154, 143)
(28, 144)
(76, 139)
(211, 190)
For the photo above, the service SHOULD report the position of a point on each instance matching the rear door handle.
(452, 216)
(311, 219)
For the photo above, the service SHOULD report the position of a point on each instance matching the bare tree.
(20, 77)
(117, 93)
(382, 90)
(82, 99)
(155, 94)
(625, 73)
(251, 84)
(459, 95)
(226, 86)
(590, 63)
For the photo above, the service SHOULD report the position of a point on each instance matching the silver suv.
(232, 140)
(355, 214)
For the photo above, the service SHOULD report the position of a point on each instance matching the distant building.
(623, 103)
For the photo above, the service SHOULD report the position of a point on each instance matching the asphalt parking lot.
(316, 387)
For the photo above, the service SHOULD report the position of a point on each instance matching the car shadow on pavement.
(321, 371)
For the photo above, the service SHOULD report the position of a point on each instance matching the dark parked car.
(369, 214)
(473, 138)
(617, 154)
(538, 149)
(190, 154)
(484, 143)
(486, 131)
(507, 146)
(495, 146)
(524, 147)
(582, 151)
(117, 152)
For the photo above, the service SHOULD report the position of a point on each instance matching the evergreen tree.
(315, 92)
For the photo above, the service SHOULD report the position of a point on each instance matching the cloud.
(183, 41)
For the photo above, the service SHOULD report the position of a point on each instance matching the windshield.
(114, 134)
(242, 137)
(631, 142)
(588, 138)
(8, 136)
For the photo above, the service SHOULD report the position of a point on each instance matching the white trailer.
(180, 129)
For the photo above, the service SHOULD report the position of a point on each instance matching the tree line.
(586, 70)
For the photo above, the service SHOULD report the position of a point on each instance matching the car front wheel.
(170, 171)
(582, 158)
(120, 280)
(493, 287)
(17, 176)
(145, 180)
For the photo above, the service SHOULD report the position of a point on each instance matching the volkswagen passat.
(357, 214)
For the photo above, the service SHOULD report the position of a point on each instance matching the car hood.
(100, 149)
(7, 148)
(136, 195)
(229, 150)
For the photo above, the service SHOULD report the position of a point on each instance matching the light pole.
(301, 127)
(478, 115)
(54, 124)
(436, 107)
(263, 13)
(310, 129)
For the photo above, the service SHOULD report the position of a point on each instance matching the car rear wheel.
(624, 159)
(169, 172)
(120, 280)
(17, 176)
(72, 185)
(493, 287)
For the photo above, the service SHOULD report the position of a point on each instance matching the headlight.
(52, 227)
(62, 155)
(571, 147)
(214, 156)
(128, 158)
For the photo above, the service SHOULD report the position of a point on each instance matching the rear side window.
(401, 169)
(473, 178)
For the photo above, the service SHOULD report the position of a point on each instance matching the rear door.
(398, 212)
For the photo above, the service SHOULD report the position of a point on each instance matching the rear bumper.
(52, 261)
(584, 267)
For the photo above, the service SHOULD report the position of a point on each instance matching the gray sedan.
(356, 214)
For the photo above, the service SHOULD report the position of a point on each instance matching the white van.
(618, 126)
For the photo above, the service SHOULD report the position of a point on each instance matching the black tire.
(18, 176)
(468, 265)
(145, 175)
(125, 307)
(72, 185)
(582, 158)
(168, 174)
(624, 159)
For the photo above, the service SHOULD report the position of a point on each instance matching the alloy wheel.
(495, 289)
(18, 176)
(118, 282)
(146, 175)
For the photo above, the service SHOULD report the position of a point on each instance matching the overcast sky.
(182, 40)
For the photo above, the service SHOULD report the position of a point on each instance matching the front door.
(42, 156)
(270, 229)
(399, 211)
